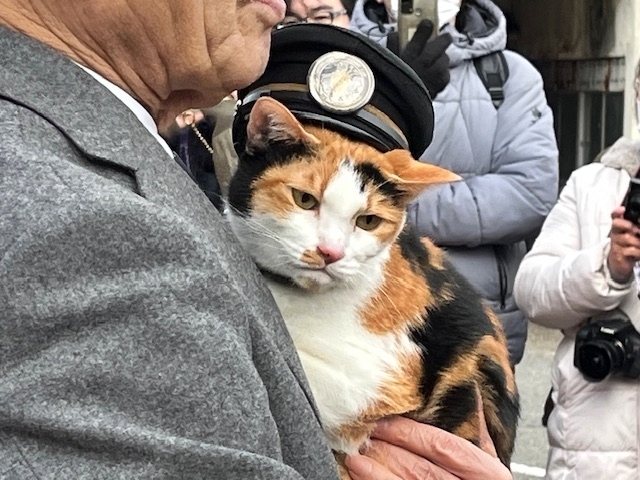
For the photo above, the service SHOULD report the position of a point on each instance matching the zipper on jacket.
(501, 262)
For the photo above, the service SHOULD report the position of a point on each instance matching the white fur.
(278, 244)
(346, 365)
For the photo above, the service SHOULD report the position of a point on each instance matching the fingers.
(420, 38)
(452, 454)
(621, 226)
(617, 212)
(363, 467)
(627, 239)
(623, 232)
(440, 76)
(386, 461)
(437, 47)
(422, 35)
(420, 49)
(622, 258)
(624, 251)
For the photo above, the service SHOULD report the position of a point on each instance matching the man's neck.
(28, 18)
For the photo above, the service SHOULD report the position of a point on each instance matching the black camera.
(632, 201)
(606, 347)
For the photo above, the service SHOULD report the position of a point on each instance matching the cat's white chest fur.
(346, 365)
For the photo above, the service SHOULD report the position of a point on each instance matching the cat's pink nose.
(330, 254)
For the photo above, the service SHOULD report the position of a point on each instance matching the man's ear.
(270, 121)
(413, 176)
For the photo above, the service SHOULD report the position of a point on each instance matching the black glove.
(427, 58)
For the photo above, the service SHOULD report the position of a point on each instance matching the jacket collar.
(52, 85)
(136, 107)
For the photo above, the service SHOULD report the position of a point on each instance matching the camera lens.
(599, 359)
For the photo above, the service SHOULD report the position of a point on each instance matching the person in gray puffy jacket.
(507, 156)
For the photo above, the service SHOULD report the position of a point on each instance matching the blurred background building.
(587, 51)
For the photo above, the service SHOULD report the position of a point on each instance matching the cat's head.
(315, 207)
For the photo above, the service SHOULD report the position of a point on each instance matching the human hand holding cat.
(405, 449)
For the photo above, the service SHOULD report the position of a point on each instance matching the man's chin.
(247, 72)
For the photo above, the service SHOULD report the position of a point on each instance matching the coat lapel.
(53, 86)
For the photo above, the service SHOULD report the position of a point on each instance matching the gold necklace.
(189, 118)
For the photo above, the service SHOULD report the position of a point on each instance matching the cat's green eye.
(304, 200)
(368, 222)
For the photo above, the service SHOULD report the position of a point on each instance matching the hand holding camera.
(625, 242)
(625, 235)
(612, 346)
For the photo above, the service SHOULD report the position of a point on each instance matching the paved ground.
(532, 375)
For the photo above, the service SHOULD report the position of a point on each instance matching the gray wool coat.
(136, 338)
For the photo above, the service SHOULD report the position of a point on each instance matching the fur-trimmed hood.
(623, 154)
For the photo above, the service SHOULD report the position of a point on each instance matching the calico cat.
(382, 323)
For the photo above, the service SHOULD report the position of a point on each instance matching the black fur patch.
(252, 165)
(461, 402)
(417, 254)
(370, 174)
(508, 407)
(451, 327)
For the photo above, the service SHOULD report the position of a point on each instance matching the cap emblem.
(341, 83)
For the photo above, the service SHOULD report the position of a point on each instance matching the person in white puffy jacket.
(581, 267)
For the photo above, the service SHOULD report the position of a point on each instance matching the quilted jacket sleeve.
(507, 199)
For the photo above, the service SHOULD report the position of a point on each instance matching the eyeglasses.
(322, 15)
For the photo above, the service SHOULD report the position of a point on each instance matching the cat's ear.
(270, 121)
(413, 176)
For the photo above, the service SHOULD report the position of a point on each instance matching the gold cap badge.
(340, 83)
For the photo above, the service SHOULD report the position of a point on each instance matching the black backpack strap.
(494, 72)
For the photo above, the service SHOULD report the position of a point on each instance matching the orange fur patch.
(312, 258)
(495, 348)
(436, 254)
(272, 191)
(464, 370)
(400, 301)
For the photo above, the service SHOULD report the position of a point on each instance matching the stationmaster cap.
(330, 76)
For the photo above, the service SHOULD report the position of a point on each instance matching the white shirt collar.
(138, 110)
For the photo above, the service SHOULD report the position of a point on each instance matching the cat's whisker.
(295, 250)
(259, 227)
